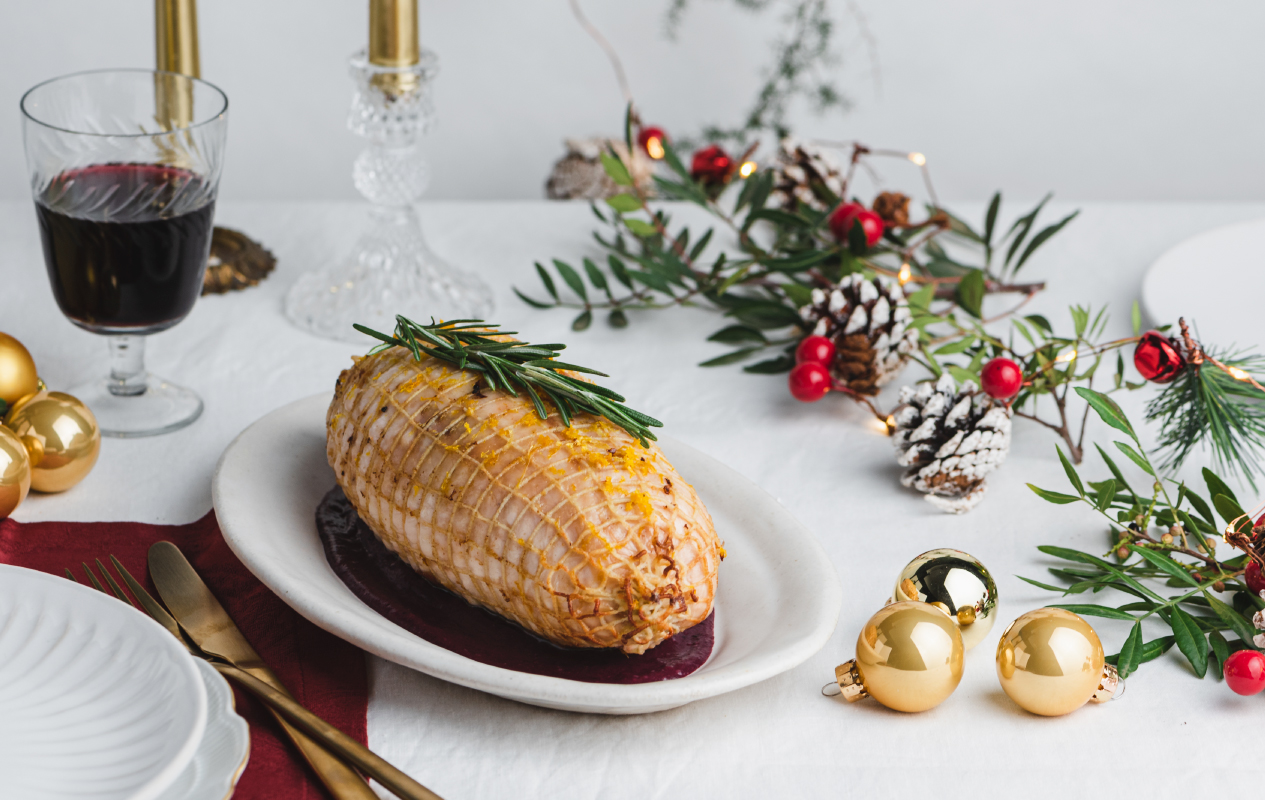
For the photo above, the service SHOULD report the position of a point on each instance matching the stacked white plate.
(99, 701)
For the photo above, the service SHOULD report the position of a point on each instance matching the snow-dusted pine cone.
(580, 174)
(806, 175)
(949, 440)
(868, 320)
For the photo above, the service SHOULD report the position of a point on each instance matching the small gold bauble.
(17, 370)
(61, 436)
(909, 658)
(957, 583)
(1051, 663)
(15, 472)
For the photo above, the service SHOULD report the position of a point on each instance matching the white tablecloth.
(1169, 735)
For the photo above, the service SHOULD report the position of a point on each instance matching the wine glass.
(124, 166)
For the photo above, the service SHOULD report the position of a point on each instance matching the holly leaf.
(640, 227)
(970, 293)
(616, 170)
(625, 203)
(1071, 472)
(1107, 410)
(572, 279)
(1190, 640)
(1089, 610)
(737, 334)
(1054, 497)
(1131, 653)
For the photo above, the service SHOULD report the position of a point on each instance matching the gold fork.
(329, 737)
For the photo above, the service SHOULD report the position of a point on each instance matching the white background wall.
(1158, 100)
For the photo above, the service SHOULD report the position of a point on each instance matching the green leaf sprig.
(510, 366)
(1181, 554)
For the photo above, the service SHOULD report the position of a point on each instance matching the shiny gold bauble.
(15, 472)
(1051, 663)
(909, 658)
(61, 436)
(17, 371)
(957, 583)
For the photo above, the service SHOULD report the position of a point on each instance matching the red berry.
(1001, 378)
(651, 140)
(815, 350)
(712, 166)
(1253, 578)
(1245, 672)
(809, 382)
(1157, 357)
(845, 216)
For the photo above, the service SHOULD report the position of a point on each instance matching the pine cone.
(806, 175)
(949, 440)
(893, 207)
(580, 174)
(868, 320)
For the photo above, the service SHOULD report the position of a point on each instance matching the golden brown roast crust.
(576, 533)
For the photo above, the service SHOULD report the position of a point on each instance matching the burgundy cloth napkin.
(325, 674)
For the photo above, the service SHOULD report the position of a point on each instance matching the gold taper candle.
(393, 33)
(176, 36)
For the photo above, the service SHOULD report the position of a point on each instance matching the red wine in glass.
(126, 244)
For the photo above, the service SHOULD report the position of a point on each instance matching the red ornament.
(1253, 578)
(651, 140)
(809, 382)
(1157, 357)
(815, 350)
(712, 166)
(1001, 378)
(845, 216)
(1245, 672)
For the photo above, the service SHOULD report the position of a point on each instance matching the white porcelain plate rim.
(270, 479)
(214, 771)
(116, 620)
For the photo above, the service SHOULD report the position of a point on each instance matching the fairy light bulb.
(1051, 662)
(1238, 374)
(908, 657)
(918, 158)
(905, 273)
(654, 148)
(1065, 357)
(958, 584)
(747, 168)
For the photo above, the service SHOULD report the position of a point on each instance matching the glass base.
(391, 271)
(159, 407)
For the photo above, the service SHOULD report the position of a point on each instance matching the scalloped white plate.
(221, 757)
(96, 700)
(776, 605)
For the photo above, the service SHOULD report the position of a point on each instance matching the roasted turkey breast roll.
(579, 534)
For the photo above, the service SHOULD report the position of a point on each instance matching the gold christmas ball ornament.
(17, 371)
(15, 473)
(909, 658)
(1051, 663)
(958, 584)
(61, 437)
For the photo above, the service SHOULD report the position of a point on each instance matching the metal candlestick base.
(390, 270)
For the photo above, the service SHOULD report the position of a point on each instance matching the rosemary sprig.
(512, 365)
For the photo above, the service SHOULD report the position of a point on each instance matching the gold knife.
(211, 628)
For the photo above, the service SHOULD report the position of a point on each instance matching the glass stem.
(127, 366)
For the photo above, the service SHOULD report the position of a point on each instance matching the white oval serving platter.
(96, 699)
(777, 601)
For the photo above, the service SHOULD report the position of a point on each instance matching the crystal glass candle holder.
(390, 270)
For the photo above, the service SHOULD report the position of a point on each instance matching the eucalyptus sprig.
(509, 365)
(1160, 537)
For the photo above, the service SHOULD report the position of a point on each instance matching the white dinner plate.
(776, 605)
(221, 758)
(1215, 280)
(96, 699)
